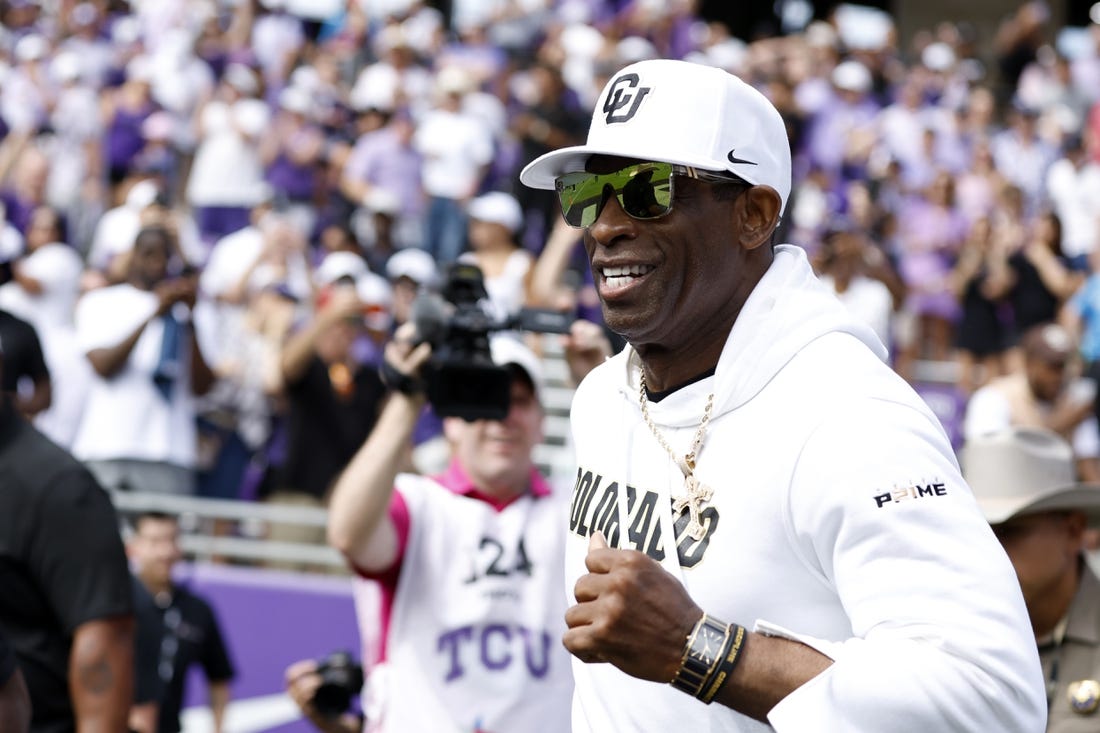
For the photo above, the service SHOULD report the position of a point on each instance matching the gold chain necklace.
(696, 492)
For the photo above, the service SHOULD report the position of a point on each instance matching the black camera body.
(462, 379)
(341, 679)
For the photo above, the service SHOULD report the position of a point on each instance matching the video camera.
(341, 680)
(462, 379)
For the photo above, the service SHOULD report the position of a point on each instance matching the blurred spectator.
(1023, 157)
(1044, 394)
(25, 191)
(980, 280)
(333, 399)
(117, 228)
(1081, 317)
(28, 90)
(977, 186)
(1018, 40)
(290, 151)
(66, 608)
(270, 251)
(847, 264)
(138, 430)
(1073, 185)
(1040, 277)
(190, 633)
(409, 271)
(397, 77)
(495, 223)
(277, 39)
(223, 182)
(252, 283)
(383, 175)
(158, 158)
(549, 118)
(457, 150)
(838, 129)
(44, 292)
(76, 120)
(931, 230)
(88, 42)
(125, 111)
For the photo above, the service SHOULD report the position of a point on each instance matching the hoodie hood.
(789, 308)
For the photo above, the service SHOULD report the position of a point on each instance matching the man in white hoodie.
(765, 516)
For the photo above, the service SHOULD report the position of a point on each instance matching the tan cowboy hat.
(1025, 471)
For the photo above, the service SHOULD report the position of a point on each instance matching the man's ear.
(1076, 524)
(759, 216)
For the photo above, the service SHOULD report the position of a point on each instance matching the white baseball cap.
(1023, 470)
(684, 113)
(852, 76)
(337, 265)
(508, 349)
(497, 207)
(295, 100)
(377, 295)
(415, 264)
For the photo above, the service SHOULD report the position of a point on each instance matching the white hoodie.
(838, 513)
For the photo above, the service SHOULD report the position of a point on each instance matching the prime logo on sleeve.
(918, 490)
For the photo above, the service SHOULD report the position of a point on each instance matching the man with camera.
(469, 563)
(138, 426)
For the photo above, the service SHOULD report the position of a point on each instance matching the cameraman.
(469, 562)
(303, 679)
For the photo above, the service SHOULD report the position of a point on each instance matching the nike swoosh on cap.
(730, 157)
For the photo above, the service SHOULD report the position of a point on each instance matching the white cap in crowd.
(295, 100)
(453, 80)
(380, 200)
(685, 113)
(337, 265)
(852, 76)
(497, 207)
(31, 47)
(507, 349)
(66, 67)
(241, 78)
(376, 293)
(415, 264)
(1023, 470)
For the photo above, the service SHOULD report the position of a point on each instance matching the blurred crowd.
(216, 213)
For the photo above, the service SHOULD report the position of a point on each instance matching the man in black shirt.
(333, 397)
(65, 603)
(188, 630)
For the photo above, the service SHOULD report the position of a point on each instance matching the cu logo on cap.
(624, 93)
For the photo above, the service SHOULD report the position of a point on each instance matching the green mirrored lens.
(643, 190)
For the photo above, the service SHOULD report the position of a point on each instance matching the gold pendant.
(696, 493)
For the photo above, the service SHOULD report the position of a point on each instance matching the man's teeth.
(619, 276)
(627, 270)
